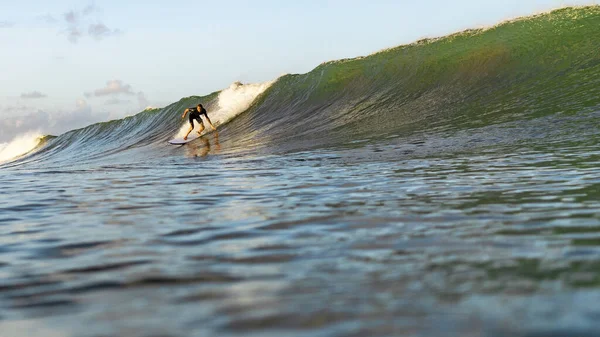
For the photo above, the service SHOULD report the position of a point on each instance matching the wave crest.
(19, 146)
(231, 102)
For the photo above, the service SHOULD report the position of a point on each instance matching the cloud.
(20, 108)
(77, 20)
(99, 31)
(73, 31)
(114, 87)
(81, 104)
(47, 19)
(33, 95)
(142, 100)
(73, 34)
(55, 122)
(89, 9)
(6, 24)
(115, 101)
(71, 17)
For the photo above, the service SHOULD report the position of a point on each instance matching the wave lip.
(19, 146)
(231, 102)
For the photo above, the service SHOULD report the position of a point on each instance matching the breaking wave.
(515, 71)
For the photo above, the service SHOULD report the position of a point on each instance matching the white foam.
(231, 102)
(19, 146)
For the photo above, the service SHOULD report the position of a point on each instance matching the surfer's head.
(199, 106)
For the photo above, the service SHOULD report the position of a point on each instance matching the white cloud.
(100, 31)
(89, 9)
(17, 109)
(142, 100)
(81, 103)
(55, 122)
(73, 31)
(77, 20)
(71, 17)
(73, 34)
(47, 19)
(33, 95)
(114, 87)
(6, 24)
(115, 101)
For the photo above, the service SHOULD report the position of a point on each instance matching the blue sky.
(65, 64)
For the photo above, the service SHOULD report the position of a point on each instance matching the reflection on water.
(403, 237)
(202, 146)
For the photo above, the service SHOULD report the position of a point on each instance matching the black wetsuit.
(195, 114)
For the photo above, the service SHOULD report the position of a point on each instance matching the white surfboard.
(181, 141)
(193, 136)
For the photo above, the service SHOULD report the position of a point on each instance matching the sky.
(65, 64)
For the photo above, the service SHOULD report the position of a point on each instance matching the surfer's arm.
(184, 113)
(209, 122)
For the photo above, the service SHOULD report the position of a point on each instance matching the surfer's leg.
(201, 126)
(190, 129)
(187, 133)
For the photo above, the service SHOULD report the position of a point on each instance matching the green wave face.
(526, 68)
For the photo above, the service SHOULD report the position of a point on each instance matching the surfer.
(195, 114)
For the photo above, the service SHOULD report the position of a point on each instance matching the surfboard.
(180, 141)
(193, 136)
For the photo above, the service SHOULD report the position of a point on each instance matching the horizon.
(49, 110)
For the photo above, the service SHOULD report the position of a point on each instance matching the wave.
(518, 70)
(515, 71)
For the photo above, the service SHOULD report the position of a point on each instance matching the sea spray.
(231, 102)
(19, 146)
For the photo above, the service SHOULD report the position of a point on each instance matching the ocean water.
(446, 188)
